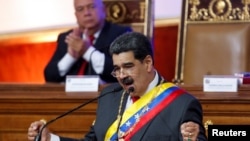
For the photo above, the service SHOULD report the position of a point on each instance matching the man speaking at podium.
(145, 108)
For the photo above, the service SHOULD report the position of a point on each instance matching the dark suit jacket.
(108, 34)
(164, 127)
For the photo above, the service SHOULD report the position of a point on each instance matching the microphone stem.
(78, 107)
(38, 137)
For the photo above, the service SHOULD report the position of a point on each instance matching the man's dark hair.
(132, 41)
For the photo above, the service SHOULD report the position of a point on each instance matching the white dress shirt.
(96, 57)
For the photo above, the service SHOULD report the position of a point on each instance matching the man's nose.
(86, 11)
(122, 75)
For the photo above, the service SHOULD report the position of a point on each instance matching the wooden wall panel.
(165, 45)
(21, 104)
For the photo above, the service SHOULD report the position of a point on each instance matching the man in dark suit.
(142, 106)
(84, 50)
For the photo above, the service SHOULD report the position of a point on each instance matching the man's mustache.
(127, 81)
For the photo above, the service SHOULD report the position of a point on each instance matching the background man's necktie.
(84, 63)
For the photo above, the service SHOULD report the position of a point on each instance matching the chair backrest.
(213, 39)
(139, 14)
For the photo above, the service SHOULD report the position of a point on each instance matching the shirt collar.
(153, 83)
(96, 35)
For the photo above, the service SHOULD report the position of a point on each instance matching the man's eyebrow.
(129, 63)
(124, 64)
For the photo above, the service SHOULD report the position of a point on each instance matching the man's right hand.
(34, 129)
(76, 45)
(73, 53)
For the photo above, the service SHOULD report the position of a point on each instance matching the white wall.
(21, 15)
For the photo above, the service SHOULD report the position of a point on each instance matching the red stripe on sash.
(146, 118)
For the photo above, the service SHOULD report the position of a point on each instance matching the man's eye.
(128, 66)
(79, 9)
(116, 69)
(92, 6)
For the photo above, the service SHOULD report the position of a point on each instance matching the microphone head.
(131, 89)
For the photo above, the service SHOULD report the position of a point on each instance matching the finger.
(185, 134)
(185, 138)
(69, 38)
(77, 32)
(74, 31)
(189, 130)
(183, 129)
(72, 40)
(32, 134)
(190, 124)
(31, 138)
(183, 125)
(35, 126)
(43, 121)
(86, 32)
(32, 131)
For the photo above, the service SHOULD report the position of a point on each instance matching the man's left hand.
(190, 131)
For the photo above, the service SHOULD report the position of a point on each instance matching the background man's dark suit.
(164, 127)
(108, 34)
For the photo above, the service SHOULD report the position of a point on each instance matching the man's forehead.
(86, 2)
(123, 58)
(124, 55)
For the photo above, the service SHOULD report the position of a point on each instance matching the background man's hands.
(77, 46)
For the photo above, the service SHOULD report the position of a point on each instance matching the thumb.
(77, 32)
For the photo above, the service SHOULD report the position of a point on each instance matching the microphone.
(131, 89)
(39, 135)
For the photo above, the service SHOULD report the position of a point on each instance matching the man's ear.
(148, 60)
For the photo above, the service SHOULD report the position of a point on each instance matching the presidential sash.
(142, 111)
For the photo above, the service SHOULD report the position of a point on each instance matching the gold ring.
(43, 121)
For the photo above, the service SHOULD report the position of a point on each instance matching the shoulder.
(64, 33)
(183, 96)
(117, 27)
(189, 99)
(113, 87)
(111, 31)
(187, 95)
(61, 36)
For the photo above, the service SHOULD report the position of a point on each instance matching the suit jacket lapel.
(116, 102)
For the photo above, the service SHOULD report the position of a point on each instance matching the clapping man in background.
(84, 49)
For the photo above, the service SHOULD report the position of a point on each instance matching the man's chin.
(91, 28)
